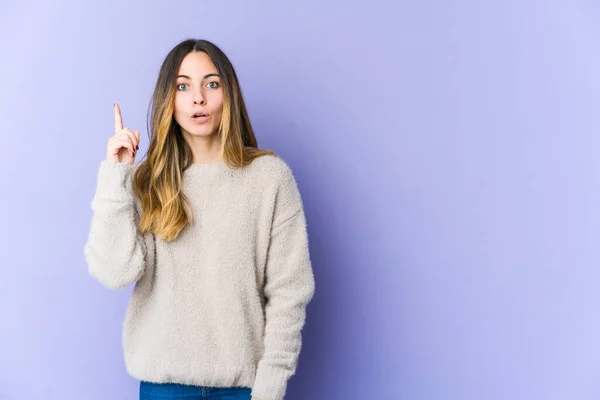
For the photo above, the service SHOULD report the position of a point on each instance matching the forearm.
(115, 250)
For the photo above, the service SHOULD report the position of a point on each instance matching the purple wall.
(448, 157)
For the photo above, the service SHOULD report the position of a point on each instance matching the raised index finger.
(118, 119)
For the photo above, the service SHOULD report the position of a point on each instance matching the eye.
(180, 85)
(215, 86)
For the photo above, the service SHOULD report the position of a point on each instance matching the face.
(198, 95)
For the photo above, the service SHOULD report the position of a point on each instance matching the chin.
(200, 131)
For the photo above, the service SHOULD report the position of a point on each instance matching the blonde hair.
(157, 180)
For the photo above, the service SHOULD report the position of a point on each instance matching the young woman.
(212, 232)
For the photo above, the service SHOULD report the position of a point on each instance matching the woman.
(212, 232)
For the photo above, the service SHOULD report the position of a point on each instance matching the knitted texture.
(223, 304)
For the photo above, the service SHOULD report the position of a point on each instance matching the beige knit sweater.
(224, 303)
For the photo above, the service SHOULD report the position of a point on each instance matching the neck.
(205, 149)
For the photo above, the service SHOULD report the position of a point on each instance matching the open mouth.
(200, 117)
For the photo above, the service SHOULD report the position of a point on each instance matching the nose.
(199, 97)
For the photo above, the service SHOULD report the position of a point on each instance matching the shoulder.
(274, 168)
(280, 182)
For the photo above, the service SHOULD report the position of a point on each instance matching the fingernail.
(137, 147)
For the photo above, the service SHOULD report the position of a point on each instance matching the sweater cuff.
(114, 181)
(270, 382)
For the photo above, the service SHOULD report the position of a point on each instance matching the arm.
(115, 251)
(288, 289)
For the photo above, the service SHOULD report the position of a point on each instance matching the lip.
(198, 112)
(200, 120)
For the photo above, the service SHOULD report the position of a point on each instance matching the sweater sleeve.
(116, 252)
(288, 289)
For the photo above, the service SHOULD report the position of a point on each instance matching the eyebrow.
(205, 76)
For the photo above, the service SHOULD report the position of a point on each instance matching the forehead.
(197, 64)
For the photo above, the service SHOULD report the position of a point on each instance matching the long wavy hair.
(157, 179)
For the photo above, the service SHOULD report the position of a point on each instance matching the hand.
(123, 146)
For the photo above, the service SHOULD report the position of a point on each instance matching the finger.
(120, 141)
(137, 135)
(118, 119)
(125, 141)
(131, 135)
(127, 133)
(131, 143)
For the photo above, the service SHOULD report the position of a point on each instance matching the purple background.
(447, 154)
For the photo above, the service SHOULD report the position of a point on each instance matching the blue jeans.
(177, 391)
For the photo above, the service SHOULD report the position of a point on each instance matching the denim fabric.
(176, 391)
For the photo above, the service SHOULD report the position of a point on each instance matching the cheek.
(179, 109)
(218, 102)
(178, 104)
